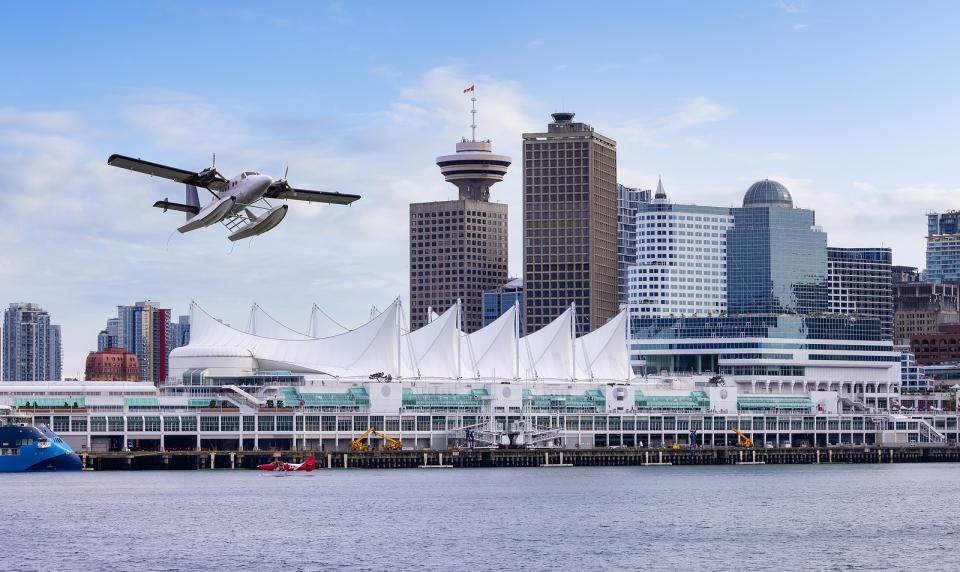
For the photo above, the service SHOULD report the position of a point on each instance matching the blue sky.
(852, 105)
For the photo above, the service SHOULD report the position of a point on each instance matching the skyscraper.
(943, 247)
(776, 256)
(144, 330)
(458, 248)
(569, 224)
(55, 359)
(628, 203)
(681, 266)
(109, 336)
(180, 332)
(860, 284)
(31, 346)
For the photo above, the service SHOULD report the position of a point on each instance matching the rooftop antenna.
(473, 112)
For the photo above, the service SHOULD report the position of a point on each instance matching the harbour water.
(849, 517)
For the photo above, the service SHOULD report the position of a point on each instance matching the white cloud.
(697, 111)
(665, 130)
(789, 7)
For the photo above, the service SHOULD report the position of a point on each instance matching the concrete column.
(329, 460)
(344, 460)
(233, 460)
(213, 460)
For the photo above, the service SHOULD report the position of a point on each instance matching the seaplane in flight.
(239, 203)
(280, 466)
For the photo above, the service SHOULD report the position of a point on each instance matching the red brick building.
(112, 364)
(937, 348)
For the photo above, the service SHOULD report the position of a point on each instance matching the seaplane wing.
(280, 190)
(208, 178)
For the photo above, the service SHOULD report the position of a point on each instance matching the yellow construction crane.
(742, 439)
(360, 443)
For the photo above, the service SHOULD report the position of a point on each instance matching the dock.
(503, 458)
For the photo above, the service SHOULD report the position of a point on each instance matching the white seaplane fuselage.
(242, 191)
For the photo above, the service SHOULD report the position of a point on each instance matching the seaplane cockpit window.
(251, 173)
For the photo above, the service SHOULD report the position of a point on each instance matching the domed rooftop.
(767, 193)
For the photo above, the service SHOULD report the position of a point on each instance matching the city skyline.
(815, 110)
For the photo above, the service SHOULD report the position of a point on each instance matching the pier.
(502, 458)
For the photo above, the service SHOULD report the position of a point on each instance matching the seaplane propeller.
(283, 182)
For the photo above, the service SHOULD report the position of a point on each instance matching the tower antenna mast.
(473, 114)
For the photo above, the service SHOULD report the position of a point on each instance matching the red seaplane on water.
(308, 465)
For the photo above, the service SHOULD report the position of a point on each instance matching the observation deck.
(473, 168)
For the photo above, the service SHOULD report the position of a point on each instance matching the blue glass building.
(499, 301)
(943, 247)
(776, 256)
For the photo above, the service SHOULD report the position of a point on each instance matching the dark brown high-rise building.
(458, 249)
(569, 224)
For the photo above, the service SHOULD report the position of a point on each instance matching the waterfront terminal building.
(438, 387)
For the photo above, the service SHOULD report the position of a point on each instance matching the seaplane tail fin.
(193, 199)
(308, 465)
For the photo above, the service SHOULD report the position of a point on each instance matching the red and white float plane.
(240, 203)
(308, 465)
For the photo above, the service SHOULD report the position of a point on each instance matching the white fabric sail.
(264, 325)
(322, 325)
(603, 353)
(548, 352)
(439, 350)
(491, 351)
(371, 348)
(432, 351)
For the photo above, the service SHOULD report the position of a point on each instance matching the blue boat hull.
(30, 456)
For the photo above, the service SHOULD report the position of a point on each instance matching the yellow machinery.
(742, 439)
(360, 443)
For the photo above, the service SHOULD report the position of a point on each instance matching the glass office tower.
(776, 256)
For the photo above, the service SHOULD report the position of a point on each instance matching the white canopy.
(322, 325)
(603, 353)
(548, 352)
(371, 348)
(491, 352)
(263, 324)
(439, 350)
(433, 350)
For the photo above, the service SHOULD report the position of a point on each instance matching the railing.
(928, 434)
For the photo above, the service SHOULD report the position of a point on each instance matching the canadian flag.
(469, 88)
